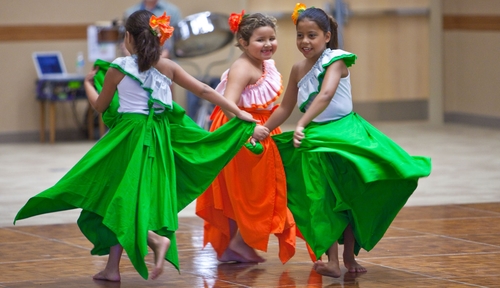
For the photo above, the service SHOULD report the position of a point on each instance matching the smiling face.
(311, 40)
(262, 44)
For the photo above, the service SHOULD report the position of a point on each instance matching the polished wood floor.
(426, 246)
(440, 238)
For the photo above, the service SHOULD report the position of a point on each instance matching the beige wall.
(19, 110)
(393, 53)
(392, 50)
(471, 63)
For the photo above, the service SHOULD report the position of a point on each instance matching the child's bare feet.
(353, 266)
(245, 253)
(348, 255)
(106, 275)
(112, 270)
(160, 246)
(331, 268)
(231, 256)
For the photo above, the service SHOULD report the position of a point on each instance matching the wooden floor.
(426, 246)
(452, 243)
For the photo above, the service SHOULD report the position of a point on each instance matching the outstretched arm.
(202, 90)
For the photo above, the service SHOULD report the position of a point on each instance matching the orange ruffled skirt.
(251, 190)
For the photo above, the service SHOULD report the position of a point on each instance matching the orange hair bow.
(235, 20)
(160, 26)
(299, 8)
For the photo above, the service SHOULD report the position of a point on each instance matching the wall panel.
(470, 51)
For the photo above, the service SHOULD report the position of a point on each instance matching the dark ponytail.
(147, 45)
(334, 39)
(324, 21)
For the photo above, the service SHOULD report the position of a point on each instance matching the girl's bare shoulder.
(244, 71)
(241, 64)
(166, 67)
(299, 69)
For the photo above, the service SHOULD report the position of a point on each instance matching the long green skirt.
(347, 172)
(138, 176)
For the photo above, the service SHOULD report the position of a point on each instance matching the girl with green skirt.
(152, 162)
(346, 180)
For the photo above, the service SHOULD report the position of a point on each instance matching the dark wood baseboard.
(383, 111)
(393, 110)
(471, 119)
(65, 135)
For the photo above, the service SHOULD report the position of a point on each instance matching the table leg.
(52, 122)
(42, 121)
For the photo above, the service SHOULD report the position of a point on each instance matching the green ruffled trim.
(149, 90)
(349, 60)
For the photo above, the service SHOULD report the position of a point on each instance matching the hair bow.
(299, 8)
(160, 26)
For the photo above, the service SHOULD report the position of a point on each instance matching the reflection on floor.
(426, 246)
(448, 234)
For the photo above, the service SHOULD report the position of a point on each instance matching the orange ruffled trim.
(265, 105)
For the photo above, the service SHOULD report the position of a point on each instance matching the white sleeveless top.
(310, 85)
(136, 89)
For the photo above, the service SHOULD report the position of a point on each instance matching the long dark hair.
(324, 21)
(147, 45)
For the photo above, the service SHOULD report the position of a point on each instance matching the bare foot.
(107, 276)
(331, 269)
(231, 256)
(245, 253)
(353, 266)
(160, 247)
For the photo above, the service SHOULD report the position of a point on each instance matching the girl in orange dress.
(247, 202)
